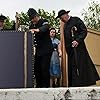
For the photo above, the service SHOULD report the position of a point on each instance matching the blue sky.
(10, 7)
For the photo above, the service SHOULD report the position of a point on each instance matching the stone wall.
(83, 93)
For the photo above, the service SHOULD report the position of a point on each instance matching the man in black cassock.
(44, 48)
(81, 70)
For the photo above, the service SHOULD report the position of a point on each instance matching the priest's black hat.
(62, 12)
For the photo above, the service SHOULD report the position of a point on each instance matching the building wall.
(93, 46)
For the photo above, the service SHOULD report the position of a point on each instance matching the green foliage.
(8, 23)
(92, 15)
(24, 19)
(50, 17)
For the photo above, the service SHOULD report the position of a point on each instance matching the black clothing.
(43, 41)
(44, 50)
(87, 72)
(42, 65)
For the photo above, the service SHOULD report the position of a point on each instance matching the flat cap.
(2, 17)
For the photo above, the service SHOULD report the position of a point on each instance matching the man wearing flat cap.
(40, 27)
(81, 70)
(2, 19)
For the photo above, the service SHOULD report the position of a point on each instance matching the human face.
(64, 18)
(1, 23)
(35, 19)
(52, 33)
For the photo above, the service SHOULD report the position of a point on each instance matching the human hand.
(31, 30)
(60, 53)
(75, 43)
(34, 30)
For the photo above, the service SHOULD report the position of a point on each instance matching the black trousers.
(41, 68)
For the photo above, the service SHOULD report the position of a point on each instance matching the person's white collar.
(1, 28)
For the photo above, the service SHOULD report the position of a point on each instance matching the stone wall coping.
(46, 89)
(61, 93)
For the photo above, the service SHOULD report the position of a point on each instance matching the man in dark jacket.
(2, 24)
(43, 48)
(2, 20)
(81, 70)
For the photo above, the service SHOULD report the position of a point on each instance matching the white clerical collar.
(69, 17)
